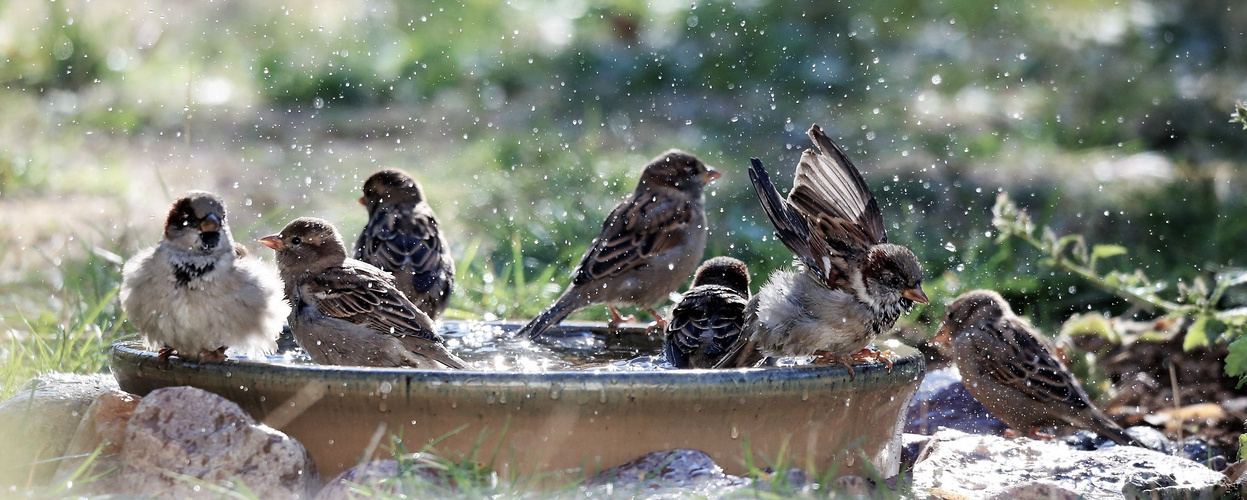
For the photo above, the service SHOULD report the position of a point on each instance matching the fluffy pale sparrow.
(196, 294)
(853, 284)
(1010, 369)
(708, 320)
(649, 244)
(348, 312)
(403, 237)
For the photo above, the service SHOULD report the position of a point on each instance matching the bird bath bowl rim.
(634, 411)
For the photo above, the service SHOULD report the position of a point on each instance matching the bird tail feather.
(568, 303)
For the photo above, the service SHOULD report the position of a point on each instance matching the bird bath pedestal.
(529, 423)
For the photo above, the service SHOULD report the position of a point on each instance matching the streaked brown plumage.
(403, 237)
(348, 312)
(708, 320)
(853, 284)
(1009, 368)
(648, 246)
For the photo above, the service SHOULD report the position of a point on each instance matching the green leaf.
(1105, 251)
(1236, 360)
(1197, 335)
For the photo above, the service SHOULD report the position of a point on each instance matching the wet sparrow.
(347, 312)
(402, 236)
(196, 294)
(853, 284)
(1008, 368)
(708, 320)
(649, 244)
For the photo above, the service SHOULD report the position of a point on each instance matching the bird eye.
(296, 240)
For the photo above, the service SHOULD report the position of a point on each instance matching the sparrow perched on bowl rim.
(710, 316)
(1009, 368)
(348, 312)
(403, 237)
(852, 285)
(196, 293)
(648, 246)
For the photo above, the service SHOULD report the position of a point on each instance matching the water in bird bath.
(492, 346)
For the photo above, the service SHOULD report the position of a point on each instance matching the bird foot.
(164, 353)
(616, 319)
(827, 358)
(872, 354)
(659, 324)
(214, 355)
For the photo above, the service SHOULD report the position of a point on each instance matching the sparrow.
(1009, 368)
(648, 246)
(403, 237)
(852, 284)
(347, 312)
(710, 316)
(196, 293)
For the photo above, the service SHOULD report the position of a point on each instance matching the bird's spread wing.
(1028, 366)
(830, 217)
(407, 239)
(366, 295)
(642, 226)
(716, 310)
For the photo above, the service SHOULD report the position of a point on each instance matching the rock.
(378, 477)
(184, 442)
(679, 469)
(943, 402)
(912, 446)
(103, 427)
(1035, 491)
(982, 466)
(38, 423)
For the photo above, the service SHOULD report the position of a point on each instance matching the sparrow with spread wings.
(852, 285)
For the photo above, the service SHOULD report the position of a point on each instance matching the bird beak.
(711, 174)
(916, 294)
(273, 241)
(944, 336)
(210, 224)
(362, 201)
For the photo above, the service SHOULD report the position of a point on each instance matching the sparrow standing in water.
(1008, 368)
(649, 244)
(853, 284)
(708, 320)
(348, 312)
(196, 293)
(403, 237)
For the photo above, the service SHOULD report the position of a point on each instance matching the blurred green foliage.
(528, 120)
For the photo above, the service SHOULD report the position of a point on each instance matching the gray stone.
(942, 402)
(186, 442)
(377, 477)
(977, 466)
(679, 469)
(1037, 490)
(38, 423)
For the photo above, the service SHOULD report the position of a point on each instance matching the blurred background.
(527, 120)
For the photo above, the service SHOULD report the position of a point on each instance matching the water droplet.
(735, 432)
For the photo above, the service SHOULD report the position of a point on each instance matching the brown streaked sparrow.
(403, 237)
(1009, 368)
(196, 293)
(348, 312)
(649, 244)
(853, 284)
(708, 320)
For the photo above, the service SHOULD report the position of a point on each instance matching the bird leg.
(659, 324)
(616, 319)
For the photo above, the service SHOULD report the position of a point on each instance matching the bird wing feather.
(642, 226)
(366, 295)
